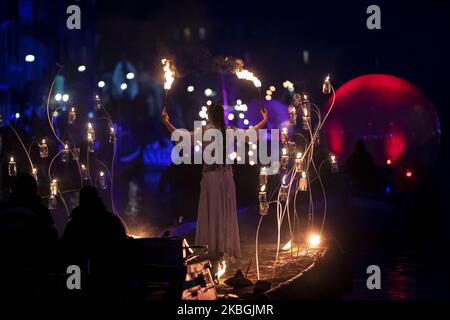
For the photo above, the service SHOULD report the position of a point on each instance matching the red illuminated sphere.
(396, 120)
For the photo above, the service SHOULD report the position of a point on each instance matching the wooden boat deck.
(290, 263)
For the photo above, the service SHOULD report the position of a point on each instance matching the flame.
(222, 267)
(168, 73)
(247, 75)
(287, 246)
(314, 240)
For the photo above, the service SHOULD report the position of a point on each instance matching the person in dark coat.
(28, 241)
(94, 239)
(361, 168)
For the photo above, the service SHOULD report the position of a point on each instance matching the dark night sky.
(270, 36)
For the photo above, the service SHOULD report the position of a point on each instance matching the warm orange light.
(247, 75)
(221, 269)
(287, 246)
(168, 73)
(314, 240)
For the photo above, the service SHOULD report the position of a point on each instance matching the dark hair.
(89, 197)
(360, 144)
(216, 115)
(25, 188)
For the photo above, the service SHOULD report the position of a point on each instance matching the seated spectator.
(94, 239)
(28, 241)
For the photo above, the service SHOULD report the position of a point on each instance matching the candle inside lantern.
(72, 116)
(112, 135)
(102, 181)
(284, 135)
(334, 164)
(90, 130)
(293, 116)
(305, 118)
(326, 88)
(90, 137)
(305, 103)
(65, 153)
(54, 187)
(98, 104)
(283, 189)
(297, 100)
(52, 202)
(303, 182)
(263, 205)
(284, 158)
(299, 162)
(292, 147)
(43, 149)
(84, 172)
(12, 167)
(263, 176)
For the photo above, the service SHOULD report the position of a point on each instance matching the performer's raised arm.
(166, 120)
(263, 122)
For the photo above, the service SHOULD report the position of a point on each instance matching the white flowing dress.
(217, 221)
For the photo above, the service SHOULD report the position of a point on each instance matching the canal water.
(405, 236)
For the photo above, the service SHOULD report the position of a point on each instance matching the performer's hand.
(164, 115)
(264, 113)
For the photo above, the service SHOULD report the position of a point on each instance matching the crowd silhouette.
(34, 261)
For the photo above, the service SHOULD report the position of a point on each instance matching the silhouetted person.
(28, 241)
(94, 239)
(361, 168)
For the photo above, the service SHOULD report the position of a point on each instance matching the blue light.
(388, 189)
(17, 115)
(90, 115)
